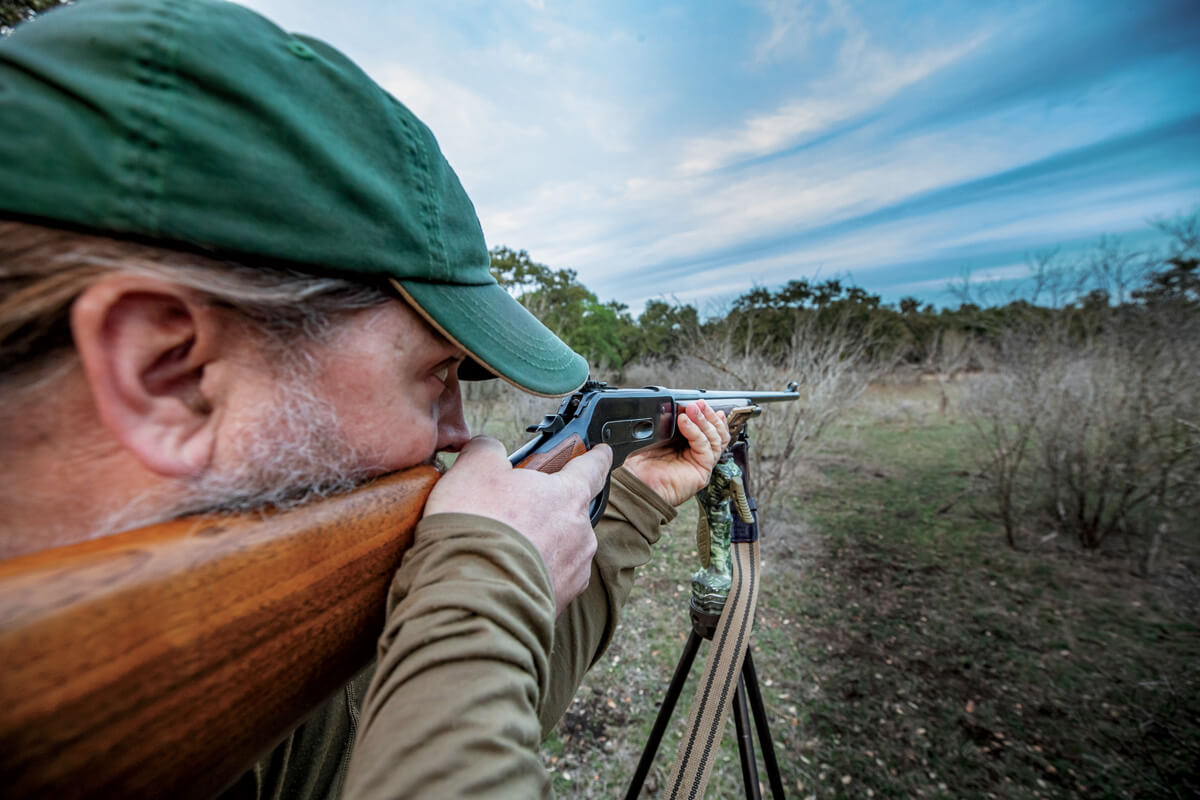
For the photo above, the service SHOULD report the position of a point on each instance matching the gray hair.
(43, 270)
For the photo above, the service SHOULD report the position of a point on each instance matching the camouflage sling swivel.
(710, 584)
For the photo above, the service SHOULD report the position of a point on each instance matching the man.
(236, 273)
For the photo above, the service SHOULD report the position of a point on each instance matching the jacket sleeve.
(462, 664)
(624, 538)
(467, 677)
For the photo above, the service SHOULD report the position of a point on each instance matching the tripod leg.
(750, 676)
(664, 714)
(745, 738)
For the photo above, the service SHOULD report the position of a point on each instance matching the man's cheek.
(410, 446)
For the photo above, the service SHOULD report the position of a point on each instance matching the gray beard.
(295, 452)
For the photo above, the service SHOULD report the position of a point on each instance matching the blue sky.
(691, 150)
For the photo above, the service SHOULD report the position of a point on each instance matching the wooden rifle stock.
(163, 661)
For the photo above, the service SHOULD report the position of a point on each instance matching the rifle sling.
(706, 720)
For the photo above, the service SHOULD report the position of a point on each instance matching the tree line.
(1106, 286)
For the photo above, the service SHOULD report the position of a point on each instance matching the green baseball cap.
(200, 124)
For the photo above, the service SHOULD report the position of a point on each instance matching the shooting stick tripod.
(730, 640)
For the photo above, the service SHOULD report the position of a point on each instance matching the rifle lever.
(600, 502)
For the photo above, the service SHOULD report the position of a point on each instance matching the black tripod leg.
(741, 721)
(664, 714)
(750, 676)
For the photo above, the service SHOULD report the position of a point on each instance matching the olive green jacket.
(472, 667)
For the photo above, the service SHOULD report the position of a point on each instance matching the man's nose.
(453, 432)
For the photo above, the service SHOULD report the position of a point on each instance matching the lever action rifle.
(163, 661)
(627, 420)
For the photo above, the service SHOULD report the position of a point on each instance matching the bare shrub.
(1094, 434)
(1088, 418)
(1003, 407)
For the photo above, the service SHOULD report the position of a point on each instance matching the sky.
(690, 151)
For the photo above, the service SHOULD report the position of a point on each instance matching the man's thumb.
(482, 449)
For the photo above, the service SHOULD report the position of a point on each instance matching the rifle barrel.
(690, 395)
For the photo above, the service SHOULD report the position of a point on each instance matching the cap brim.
(498, 333)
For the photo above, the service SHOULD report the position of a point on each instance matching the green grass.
(905, 651)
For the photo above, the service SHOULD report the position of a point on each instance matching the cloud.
(788, 32)
(1061, 61)
(472, 131)
(866, 76)
(938, 228)
(935, 202)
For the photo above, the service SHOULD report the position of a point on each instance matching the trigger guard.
(599, 503)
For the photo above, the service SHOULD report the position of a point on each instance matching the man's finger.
(591, 468)
(711, 415)
(711, 430)
(724, 429)
(709, 437)
(715, 418)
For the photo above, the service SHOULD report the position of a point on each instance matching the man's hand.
(551, 511)
(677, 475)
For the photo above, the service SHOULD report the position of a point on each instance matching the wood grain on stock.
(163, 661)
(552, 461)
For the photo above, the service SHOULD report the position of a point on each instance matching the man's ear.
(144, 345)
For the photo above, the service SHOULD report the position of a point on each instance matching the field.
(905, 651)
